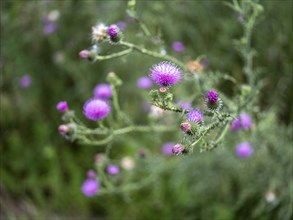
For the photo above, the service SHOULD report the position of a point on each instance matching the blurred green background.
(41, 173)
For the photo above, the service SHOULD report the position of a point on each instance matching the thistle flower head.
(244, 150)
(96, 109)
(194, 115)
(90, 187)
(165, 74)
(114, 33)
(103, 91)
(212, 101)
(212, 96)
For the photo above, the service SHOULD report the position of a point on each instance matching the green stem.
(116, 103)
(122, 131)
(222, 134)
(114, 55)
(154, 54)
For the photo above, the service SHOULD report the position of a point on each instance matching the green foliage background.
(41, 173)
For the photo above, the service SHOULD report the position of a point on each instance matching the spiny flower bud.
(178, 149)
(68, 131)
(162, 89)
(62, 106)
(186, 127)
(63, 129)
(113, 79)
(100, 159)
(114, 33)
(84, 54)
(213, 102)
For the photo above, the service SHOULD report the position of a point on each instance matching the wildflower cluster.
(203, 119)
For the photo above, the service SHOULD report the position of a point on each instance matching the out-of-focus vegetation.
(41, 173)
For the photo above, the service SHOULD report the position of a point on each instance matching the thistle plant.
(203, 125)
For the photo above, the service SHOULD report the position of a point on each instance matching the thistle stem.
(154, 54)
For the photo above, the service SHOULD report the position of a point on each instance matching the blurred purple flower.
(167, 148)
(244, 150)
(178, 46)
(245, 121)
(103, 91)
(90, 187)
(113, 169)
(91, 174)
(236, 125)
(144, 82)
(25, 81)
(62, 106)
(49, 28)
(122, 25)
(184, 105)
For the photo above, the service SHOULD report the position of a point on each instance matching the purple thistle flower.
(194, 115)
(62, 106)
(122, 25)
(167, 148)
(244, 150)
(25, 81)
(96, 109)
(245, 121)
(103, 91)
(113, 31)
(212, 96)
(90, 187)
(236, 125)
(177, 149)
(144, 82)
(113, 169)
(178, 46)
(165, 74)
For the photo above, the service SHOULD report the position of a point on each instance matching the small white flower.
(53, 15)
(99, 32)
(127, 163)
